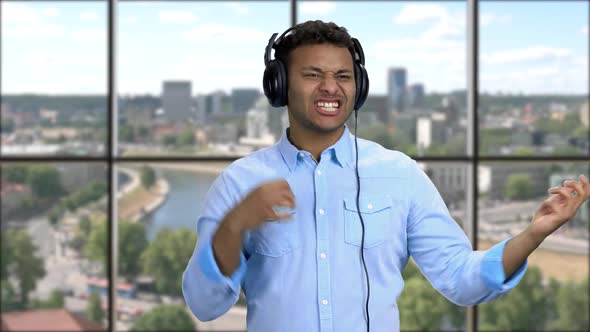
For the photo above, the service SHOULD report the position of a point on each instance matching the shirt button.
(323, 255)
(319, 172)
(324, 302)
(322, 211)
(370, 206)
(301, 154)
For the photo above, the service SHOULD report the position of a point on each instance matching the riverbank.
(214, 167)
(136, 202)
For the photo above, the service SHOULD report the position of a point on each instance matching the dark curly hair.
(312, 33)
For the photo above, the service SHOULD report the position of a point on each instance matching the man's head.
(320, 71)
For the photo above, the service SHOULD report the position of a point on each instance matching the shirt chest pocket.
(377, 218)
(276, 238)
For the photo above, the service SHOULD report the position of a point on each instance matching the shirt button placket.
(323, 245)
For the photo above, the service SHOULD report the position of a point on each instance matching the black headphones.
(274, 81)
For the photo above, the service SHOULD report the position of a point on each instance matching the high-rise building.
(416, 94)
(176, 100)
(396, 89)
(243, 99)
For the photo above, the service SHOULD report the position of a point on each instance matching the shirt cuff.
(492, 269)
(211, 270)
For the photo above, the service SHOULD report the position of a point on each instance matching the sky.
(61, 47)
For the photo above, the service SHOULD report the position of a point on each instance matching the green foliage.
(380, 134)
(187, 137)
(15, 173)
(165, 318)
(20, 265)
(94, 310)
(96, 247)
(132, 243)
(45, 181)
(85, 195)
(169, 140)
(524, 152)
(56, 300)
(126, 133)
(524, 308)
(166, 257)
(492, 138)
(148, 177)
(518, 187)
(572, 307)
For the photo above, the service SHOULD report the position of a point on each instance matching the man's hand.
(256, 208)
(560, 207)
(259, 204)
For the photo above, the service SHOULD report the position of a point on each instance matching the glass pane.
(553, 294)
(158, 205)
(54, 246)
(190, 77)
(54, 78)
(534, 78)
(417, 101)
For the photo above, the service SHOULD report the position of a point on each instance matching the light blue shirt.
(306, 274)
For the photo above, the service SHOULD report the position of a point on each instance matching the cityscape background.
(188, 84)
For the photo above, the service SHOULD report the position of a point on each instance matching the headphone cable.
(358, 190)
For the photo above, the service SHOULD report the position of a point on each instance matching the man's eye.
(311, 75)
(344, 77)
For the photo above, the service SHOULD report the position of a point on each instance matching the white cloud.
(536, 53)
(216, 31)
(23, 21)
(89, 35)
(177, 17)
(584, 30)
(59, 58)
(130, 19)
(239, 9)
(88, 16)
(51, 12)
(319, 8)
(485, 19)
(421, 13)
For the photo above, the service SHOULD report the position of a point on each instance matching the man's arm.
(555, 211)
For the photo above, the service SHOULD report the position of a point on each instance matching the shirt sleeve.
(208, 293)
(444, 254)
(492, 269)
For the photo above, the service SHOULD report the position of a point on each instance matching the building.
(450, 180)
(76, 175)
(176, 100)
(258, 132)
(243, 99)
(431, 130)
(210, 105)
(585, 115)
(396, 89)
(416, 95)
(58, 320)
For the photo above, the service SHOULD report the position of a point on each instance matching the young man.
(283, 223)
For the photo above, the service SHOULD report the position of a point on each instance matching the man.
(284, 223)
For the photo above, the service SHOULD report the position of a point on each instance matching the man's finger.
(576, 187)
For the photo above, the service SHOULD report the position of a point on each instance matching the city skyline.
(69, 40)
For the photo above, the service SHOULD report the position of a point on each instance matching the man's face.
(321, 87)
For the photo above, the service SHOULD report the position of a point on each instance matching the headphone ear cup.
(362, 85)
(273, 83)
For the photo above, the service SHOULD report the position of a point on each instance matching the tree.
(55, 301)
(94, 308)
(21, 264)
(132, 243)
(572, 307)
(518, 186)
(168, 317)
(166, 256)
(15, 173)
(187, 137)
(96, 247)
(148, 177)
(45, 181)
(524, 308)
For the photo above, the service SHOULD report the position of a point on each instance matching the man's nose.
(329, 84)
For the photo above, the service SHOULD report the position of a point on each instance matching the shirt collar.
(341, 150)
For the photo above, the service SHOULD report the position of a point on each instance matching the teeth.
(328, 104)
